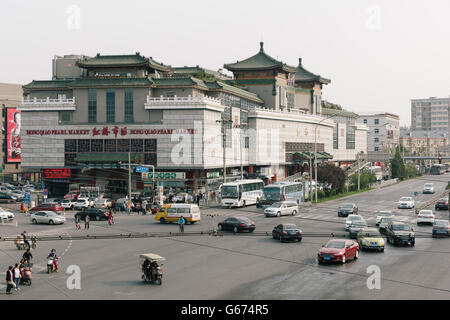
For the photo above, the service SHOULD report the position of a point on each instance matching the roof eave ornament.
(299, 62)
(261, 44)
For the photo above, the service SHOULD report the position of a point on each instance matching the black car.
(355, 227)
(441, 204)
(6, 198)
(287, 231)
(346, 209)
(400, 233)
(94, 214)
(441, 228)
(237, 224)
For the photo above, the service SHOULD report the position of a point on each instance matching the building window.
(350, 134)
(69, 159)
(377, 130)
(150, 145)
(84, 145)
(247, 142)
(377, 121)
(129, 105)
(65, 116)
(376, 149)
(96, 145)
(92, 105)
(123, 145)
(150, 158)
(70, 145)
(365, 121)
(335, 136)
(137, 145)
(110, 106)
(110, 145)
(377, 140)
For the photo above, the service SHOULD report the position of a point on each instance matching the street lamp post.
(224, 142)
(315, 149)
(241, 126)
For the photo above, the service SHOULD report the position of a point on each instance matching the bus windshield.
(229, 192)
(273, 194)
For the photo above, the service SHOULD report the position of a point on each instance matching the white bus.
(281, 191)
(377, 171)
(241, 193)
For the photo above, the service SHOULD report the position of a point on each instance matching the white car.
(405, 203)
(68, 203)
(425, 216)
(381, 215)
(350, 219)
(48, 217)
(82, 203)
(102, 203)
(428, 188)
(6, 215)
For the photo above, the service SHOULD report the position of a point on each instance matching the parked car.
(17, 194)
(237, 224)
(7, 198)
(82, 203)
(400, 233)
(425, 216)
(350, 219)
(94, 213)
(355, 227)
(68, 204)
(47, 207)
(370, 239)
(347, 208)
(382, 214)
(405, 203)
(441, 227)
(52, 200)
(6, 216)
(281, 208)
(441, 204)
(287, 231)
(72, 195)
(384, 222)
(48, 217)
(102, 203)
(428, 188)
(338, 250)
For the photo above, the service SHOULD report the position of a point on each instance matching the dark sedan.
(94, 214)
(441, 204)
(287, 231)
(6, 198)
(346, 209)
(355, 227)
(237, 224)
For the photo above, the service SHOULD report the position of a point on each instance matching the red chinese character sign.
(56, 173)
(13, 142)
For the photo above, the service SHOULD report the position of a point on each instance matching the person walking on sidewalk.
(16, 276)
(87, 219)
(181, 223)
(9, 280)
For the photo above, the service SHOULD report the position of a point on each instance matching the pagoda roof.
(131, 60)
(260, 61)
(110, 82)
(47, 84)
(179, 82)
(193, 71)
(303, 75)
(221, 86)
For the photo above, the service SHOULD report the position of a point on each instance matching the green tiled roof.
(343, 113)
(303, 75)
(193, 71)
(110, 82)
(260, 61)
(107, 157)
(47, 84)
(132, 60)
(219, 85)
(179, 82)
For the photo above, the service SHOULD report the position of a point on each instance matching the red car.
(72, 195)
(338, 250)
(47, 207)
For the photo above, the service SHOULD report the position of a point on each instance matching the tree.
(398, 166)
(365, 180)
(332, 177)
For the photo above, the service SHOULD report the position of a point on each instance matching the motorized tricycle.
(21, 245)
(150, 265)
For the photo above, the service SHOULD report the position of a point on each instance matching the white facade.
(384, 131)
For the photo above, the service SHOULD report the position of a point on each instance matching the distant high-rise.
(430, 114)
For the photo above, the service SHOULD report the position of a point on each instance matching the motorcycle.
(21, 245)
(26, 275)
(51, 267)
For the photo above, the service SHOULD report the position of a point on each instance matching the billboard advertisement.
(13, 145)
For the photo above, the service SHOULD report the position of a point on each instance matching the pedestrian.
(16, 276)
(111, 217)
(128, 207)
(9, 280)
(181, 223)
(87, 219)
(144, 210)
(24, 236)
(198, 199)
(214, 196)
(77, 223)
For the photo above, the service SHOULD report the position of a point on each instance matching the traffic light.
(440, 159)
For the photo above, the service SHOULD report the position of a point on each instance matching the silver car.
(281, 208)
(47, 217)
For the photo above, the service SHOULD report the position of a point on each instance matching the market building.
(114, 108)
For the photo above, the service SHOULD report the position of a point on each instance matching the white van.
(190, 212)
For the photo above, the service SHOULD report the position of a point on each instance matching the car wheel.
(235, 229)
(294, 213)
(97, 218)
(162, 220)
(319, 261)
(278, 214)
(413, 243)
(244, 204)
(357, 255)
(344, 259)
(219, 227)
(381, 249)
(34, 221)
(51, 222)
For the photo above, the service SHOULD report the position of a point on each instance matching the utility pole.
(310, 179)
(359, 170)
(241, 126)
(224, 142)
(129, 178)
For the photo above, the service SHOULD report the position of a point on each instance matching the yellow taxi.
(371, 239)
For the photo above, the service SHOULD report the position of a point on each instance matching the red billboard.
(55, 173)
(13, 147)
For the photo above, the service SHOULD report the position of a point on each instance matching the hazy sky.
(378, 54)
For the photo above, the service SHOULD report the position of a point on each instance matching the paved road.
(245, 266)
